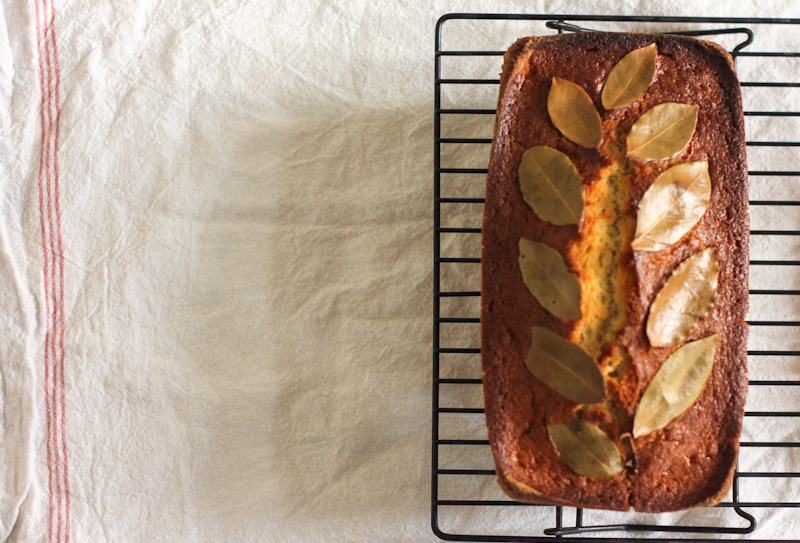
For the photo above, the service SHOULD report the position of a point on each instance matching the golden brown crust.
(690, 462)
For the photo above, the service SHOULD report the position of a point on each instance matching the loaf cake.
(614, 268)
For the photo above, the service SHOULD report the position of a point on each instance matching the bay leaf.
(684, 300)
(565, 367)
(573, 113)
(663, 131)
(630, 78)
(675, 386)
(585, 448)
(673, 204)
(551, 185)
(547, 277)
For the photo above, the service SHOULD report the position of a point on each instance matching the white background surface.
(246, 193)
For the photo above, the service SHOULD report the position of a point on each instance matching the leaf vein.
(552, 185)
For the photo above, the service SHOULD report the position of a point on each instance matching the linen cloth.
(215, 267)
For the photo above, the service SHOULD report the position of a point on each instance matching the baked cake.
(534, 248)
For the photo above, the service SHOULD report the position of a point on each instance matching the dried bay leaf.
(564, 367)
(673, 204)
(551, 185)
(676, 386)
(630, 78)
(547, 277)
(573, 113)
(684, 300)
(585, 448)
(663, 131)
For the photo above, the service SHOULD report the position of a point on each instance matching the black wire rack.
(464, 116)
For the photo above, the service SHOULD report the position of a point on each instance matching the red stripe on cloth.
(51, 278)
(45, 235)
(60, 280)
(49, 170)
(49, 152)
(50, 209)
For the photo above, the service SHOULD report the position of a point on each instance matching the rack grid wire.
(456, 369)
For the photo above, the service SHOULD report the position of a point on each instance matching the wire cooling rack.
(467, 504)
